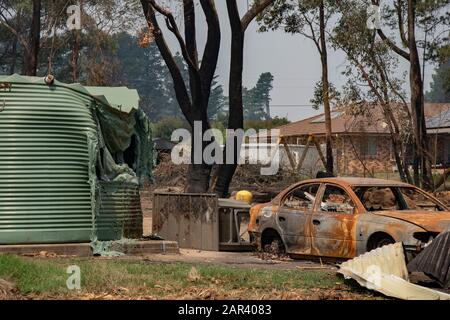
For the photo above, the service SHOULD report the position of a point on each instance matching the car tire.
(271, 241)
(275, 247)
(379, 241)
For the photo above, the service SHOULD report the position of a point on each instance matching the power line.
(291, 105)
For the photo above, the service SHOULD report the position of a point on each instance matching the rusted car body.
(345, 217)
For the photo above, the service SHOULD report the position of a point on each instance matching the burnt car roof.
(354, 181)
(347, 182)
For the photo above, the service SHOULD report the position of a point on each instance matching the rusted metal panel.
(188, 218)
(434, 260)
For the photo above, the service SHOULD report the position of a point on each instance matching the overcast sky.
(292, 59)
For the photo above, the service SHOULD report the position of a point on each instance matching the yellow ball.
(245, 196)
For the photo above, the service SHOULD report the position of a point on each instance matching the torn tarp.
(126, 146)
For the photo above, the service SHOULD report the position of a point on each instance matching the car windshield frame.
(399, 197)
(291, 190)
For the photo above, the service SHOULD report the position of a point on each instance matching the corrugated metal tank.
(120, 211)
(45, 195)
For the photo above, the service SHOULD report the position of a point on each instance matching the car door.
(294, 218)
(333, 223)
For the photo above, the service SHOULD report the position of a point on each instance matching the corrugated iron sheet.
(44, 194)
(388, 259)
(384, 270)
(120, 213)
(434, 260)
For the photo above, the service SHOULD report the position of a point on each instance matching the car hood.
(430, 221)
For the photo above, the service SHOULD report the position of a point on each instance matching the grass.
(37, 277)
(32, 275)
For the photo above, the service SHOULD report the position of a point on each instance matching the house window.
(372, 147)
(369, 146)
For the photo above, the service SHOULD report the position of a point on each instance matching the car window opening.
(336, 200)
(385, 198)
(302, 198)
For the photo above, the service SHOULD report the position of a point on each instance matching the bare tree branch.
(172, 26)
(401, 28)
(389, 42)
(179, 85)
(256, 8)
(212, 47)
(22, 41)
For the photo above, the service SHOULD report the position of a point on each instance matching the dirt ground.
(240, 259)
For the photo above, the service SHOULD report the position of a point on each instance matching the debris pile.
(7, 288)
(379, 199)
(169, 174)
(172, 178)
(249, 177)
(444, 196)
(272, 252)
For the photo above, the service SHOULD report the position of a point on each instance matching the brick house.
(362, 144)
(438, 128)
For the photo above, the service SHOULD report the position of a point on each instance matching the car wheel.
(275, 247)
(384, 242)
(271, 242)
(380, 240)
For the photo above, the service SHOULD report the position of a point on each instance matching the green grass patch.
(36, 275)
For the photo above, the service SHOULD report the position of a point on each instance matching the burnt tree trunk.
(31, 57)
(199, 173)
(325, 88)
(12, 67)
(75, 55)
(421, 156)
(194, 107)
(236, 114)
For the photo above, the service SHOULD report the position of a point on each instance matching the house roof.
(441, 120)
(163, 144)
(343, 122)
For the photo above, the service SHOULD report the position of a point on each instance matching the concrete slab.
(84, 249)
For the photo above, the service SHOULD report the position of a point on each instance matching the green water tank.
(45, 194)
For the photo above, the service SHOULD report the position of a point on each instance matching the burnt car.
(345, 217)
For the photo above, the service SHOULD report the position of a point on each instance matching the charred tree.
(194, 105)
(236, 113)
(31, 58)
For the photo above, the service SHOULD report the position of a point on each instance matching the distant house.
(362, 143)
(438, 128)
(163, 146)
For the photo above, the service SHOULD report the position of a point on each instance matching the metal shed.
(71, 160)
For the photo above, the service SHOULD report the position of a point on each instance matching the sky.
(292, 59)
